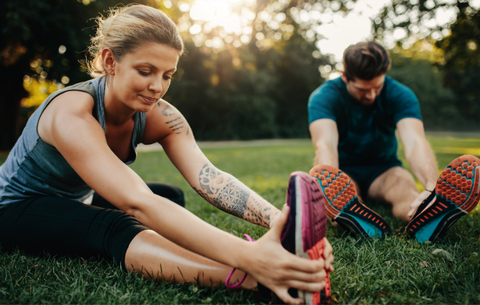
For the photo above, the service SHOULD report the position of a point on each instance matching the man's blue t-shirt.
(366, 133)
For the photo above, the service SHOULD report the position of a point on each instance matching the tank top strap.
(139, 128)
(99, 111)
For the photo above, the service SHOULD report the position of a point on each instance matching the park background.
(250, 65)
(247, 74)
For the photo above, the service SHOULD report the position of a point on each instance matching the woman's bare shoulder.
(164, 119)
(63, 110)
(73, 100)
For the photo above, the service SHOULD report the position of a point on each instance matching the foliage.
(253, 84)
(44, 40)
(415, 68)
(386, 271)
(459, 65)
(234, 94)
(39, 91)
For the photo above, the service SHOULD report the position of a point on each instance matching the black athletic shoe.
(455, 195)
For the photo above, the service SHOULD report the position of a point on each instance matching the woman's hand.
(328, 254)
(276, 268)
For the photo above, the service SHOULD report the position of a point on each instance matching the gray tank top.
(34, 168)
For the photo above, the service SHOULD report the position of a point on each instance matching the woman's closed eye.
(144, 73)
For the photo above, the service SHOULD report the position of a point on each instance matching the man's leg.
(395, 186)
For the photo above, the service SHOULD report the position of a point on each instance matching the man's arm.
(419, 156)
(418, 153)
(324, 134)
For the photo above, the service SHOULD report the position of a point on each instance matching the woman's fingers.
(328, 253)
(287, 298)
(280, 221)
(307, 282)
(282, 292)
(283, 270)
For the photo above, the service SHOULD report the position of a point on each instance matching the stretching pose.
(77, 144)
(353, 120)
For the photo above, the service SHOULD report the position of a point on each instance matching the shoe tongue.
(288, 234)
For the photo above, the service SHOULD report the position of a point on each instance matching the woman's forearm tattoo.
(230, 195)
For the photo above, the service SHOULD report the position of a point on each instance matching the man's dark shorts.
(364, 175)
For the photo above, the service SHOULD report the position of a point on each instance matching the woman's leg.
(171, 192)
(62, 226)
(155, 257)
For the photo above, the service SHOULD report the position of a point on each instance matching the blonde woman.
(78, 144)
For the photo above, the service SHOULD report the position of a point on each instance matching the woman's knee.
(171, 192)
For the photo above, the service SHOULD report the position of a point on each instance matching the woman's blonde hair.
(126, 29)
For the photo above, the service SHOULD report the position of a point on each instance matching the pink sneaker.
(306, 227)
(304, 233)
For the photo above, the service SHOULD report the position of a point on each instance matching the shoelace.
(249, 238)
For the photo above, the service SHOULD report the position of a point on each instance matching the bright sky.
(342, 31)
(339, 31)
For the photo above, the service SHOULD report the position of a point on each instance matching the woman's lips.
(149, 100)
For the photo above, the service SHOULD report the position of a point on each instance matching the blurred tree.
(454, 28)
(416, 68)
(250, 80)
(258, 71)
(44, 40)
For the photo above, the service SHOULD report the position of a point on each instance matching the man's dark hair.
(365, 60)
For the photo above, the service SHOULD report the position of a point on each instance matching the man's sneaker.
(456, 194)
(306, 227)
(342, 203)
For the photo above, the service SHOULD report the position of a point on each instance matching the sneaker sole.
(343, 206)
(456, 194)
(310, 224)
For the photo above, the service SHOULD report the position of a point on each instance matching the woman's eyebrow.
(155, 68)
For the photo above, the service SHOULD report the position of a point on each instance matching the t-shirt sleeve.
(404, 101)
(321, 104)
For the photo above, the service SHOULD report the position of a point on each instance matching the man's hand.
(417, 202)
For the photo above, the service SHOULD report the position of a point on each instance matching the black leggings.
(62, 226)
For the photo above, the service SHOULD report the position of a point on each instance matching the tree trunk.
(11, 93)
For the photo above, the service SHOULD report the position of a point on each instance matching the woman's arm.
(217, 187)
(230, 195)
(68, 125)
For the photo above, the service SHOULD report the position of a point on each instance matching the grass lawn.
(392, 270)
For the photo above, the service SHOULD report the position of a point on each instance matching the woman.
(80, 141)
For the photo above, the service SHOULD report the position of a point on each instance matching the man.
(352, 123)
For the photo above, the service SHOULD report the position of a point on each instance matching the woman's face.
(142, 78)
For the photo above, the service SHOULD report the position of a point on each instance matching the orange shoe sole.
(342, 203)
(457, 193)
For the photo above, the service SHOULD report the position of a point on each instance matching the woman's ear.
(108, 61)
